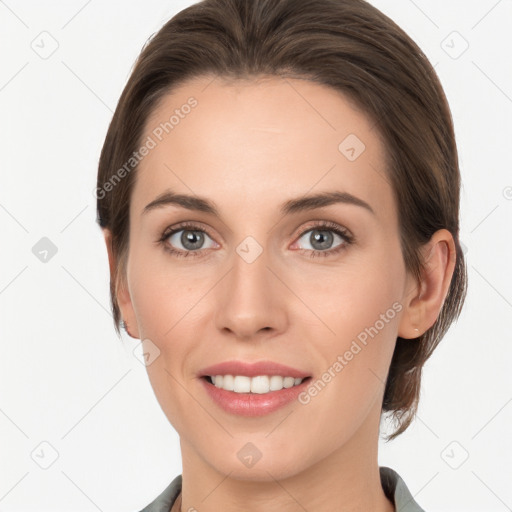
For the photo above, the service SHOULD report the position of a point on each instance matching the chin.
(264, 469)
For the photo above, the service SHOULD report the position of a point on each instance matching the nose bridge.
(249, 299)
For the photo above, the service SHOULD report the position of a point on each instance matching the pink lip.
(252, 369)
(252, 404)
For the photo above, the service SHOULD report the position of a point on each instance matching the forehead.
(260, 141)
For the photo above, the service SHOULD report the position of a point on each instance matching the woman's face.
(319, 286)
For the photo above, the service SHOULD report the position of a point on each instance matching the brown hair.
(350, 46)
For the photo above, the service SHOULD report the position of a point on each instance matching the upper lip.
(252, 369)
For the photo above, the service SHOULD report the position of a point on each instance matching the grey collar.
(392, 483)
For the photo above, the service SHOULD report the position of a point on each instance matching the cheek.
(353, 298)
(360, 307)
(362, 312)
(160, 293)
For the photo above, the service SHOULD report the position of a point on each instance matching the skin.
(249, 146)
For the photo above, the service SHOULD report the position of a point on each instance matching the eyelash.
(348, 239)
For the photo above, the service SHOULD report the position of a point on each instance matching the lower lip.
(253, 404)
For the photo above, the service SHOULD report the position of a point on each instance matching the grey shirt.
(392, 483)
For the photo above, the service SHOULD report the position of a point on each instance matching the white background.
(66, 379)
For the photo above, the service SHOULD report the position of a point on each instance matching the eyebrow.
(300, 204)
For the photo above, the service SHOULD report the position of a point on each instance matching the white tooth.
(260, 384)
(288, 382)
(228, 383)
(242, 384)
(276, 383)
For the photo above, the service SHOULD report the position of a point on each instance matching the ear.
(121, 289)
(423, 301)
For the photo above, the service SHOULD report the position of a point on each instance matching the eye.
(322, 237)
(186, 240)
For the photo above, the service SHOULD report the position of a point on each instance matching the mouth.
(253, 395)
(253, 388)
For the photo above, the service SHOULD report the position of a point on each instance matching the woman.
(279, 195)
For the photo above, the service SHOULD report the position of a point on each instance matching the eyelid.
(324, 225)
(188, 225)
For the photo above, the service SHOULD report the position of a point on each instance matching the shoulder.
(165, 500)
(396, 489)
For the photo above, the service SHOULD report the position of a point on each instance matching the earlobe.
(424, 303)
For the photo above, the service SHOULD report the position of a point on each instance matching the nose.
(251, 301)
